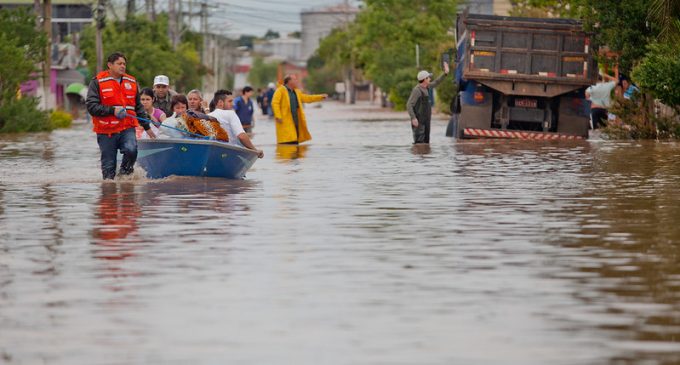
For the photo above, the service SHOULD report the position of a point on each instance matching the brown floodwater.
(353, 249)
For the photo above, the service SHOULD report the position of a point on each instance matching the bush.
(60, 119)
(636, 121)
(23, 115)
(659, 73)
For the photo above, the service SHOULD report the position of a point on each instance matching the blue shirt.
(632, 89)
(244, 110)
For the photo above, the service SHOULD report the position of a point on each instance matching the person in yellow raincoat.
(291, 125)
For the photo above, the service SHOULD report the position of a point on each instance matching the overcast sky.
(256, 16)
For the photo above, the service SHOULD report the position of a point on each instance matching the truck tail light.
(472, 38)
(479, 97)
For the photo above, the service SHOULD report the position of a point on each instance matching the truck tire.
(452, 127)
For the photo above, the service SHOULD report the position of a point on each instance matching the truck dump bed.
(525, 56)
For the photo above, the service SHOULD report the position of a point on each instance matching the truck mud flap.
(505, 134)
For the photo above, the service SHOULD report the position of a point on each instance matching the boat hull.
(189, 157)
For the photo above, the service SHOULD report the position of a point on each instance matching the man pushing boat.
(113, 102)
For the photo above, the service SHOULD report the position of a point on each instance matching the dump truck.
(521, 78)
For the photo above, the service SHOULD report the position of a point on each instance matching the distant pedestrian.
(419, 106)
(162, 94)
(245, 109)
(269, 97)
(600, 96)
(291, 124)
(113, 102)
(260, 101)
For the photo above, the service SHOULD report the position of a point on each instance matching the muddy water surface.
(353, 249)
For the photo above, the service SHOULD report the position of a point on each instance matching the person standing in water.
(291, 124)
(419, 107)
(113, 102)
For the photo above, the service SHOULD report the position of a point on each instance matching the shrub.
(60, 119)
(637, 121)
(659, 73)
(23, 115)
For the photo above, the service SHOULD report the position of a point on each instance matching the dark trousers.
(126, 142)
(421, 133)
(599, 117)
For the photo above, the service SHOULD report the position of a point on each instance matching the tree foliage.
(149, 51)
(382, 42)
(262, 73)
(659, 73)
(666, 15)
(22, 46)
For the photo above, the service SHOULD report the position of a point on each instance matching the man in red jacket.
(113, 102)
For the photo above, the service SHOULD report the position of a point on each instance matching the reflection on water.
(421, 149)
(291, 151)
(365, 250)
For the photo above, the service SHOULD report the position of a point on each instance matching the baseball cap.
(422, 75)
(161, 80)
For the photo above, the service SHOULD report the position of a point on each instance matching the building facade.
(318, 23)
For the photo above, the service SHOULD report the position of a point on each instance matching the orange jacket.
(112, 94)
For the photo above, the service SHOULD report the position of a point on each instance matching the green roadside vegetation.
(645, 34)
(380, 45)
(21, 48)
(149, 51)
(145, 43)
(262, 72)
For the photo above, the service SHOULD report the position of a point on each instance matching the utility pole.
(131, 7)
(417, 55)
(172, 24)
(47, 66)
(153, 9)
(100, 16)
(180, 22)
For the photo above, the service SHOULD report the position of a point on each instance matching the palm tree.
(666, 14)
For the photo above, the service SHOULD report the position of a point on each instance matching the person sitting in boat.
(221, 106)
(156, 115)
(196, 102)
(187, 123)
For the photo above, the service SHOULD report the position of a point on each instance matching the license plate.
(526, 103)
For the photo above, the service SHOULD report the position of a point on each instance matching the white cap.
(271, 85)
(422, 75)
(161, 80)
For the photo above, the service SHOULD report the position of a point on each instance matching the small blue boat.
(193, 157)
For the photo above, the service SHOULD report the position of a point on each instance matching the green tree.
(382, 41)
(666, 15)
(322, 77)
(271, 34)
(659, 73)
(246, 41)
(262, 73)
(22, 46)
(149, 51)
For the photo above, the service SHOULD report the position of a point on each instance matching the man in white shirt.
(600, 98)
(220, 106)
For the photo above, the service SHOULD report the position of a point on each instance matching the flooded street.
(355, 248)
